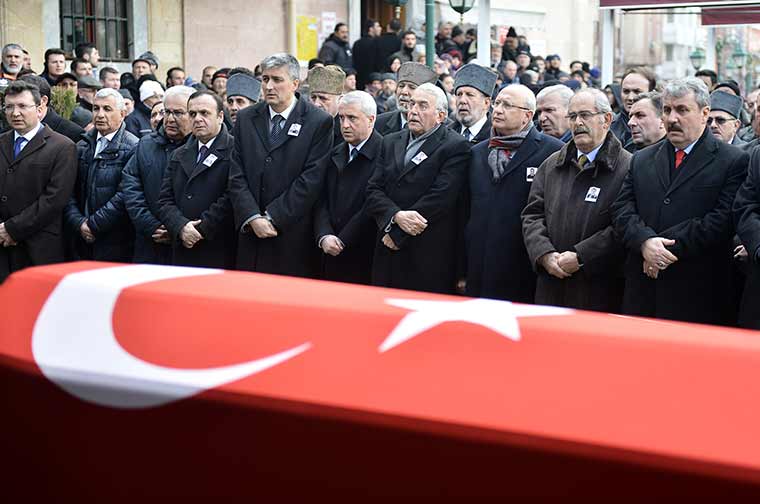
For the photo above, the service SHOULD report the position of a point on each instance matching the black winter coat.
(142, 180)
(497, 262)
(67, 128)
(694, 209)
(620, 129)
(433, 188)
(336, 52)
(747, 217)
(483, 134)
(340, 212)
(364, 60)
(99, 200)
(388, 122)
(138, 122)
(198, 191)
(387, 44)
(283, 180)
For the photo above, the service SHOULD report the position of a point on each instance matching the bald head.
(513, 109)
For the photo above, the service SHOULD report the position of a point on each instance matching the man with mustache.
(325, 90)
(673, 215)
(566, 224)
(501, 173)
(413, 198)
(473, 87)
(410, 76)
(636, 80)
(645, 120)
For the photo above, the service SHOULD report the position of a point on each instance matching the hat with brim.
(479, 77)
(89, 82)
(244, 85)
(149, 89)
(328, 80)
(126, 94)
(67, 75)
(732, 105)
(416, 73)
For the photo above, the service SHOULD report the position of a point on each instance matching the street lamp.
(461, 6)
(739, 56)
(697, 58)
(397, 4)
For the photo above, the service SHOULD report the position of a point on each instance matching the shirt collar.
(207, 144)
(687, 150)
(358, 147)
(475, 128)
(29, 134)
(285, 113)
(108, 137)
(403, 121)
(590, 155)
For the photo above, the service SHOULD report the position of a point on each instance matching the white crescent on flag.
(75, 347)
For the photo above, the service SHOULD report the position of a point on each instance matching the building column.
(51, 20)
(484, 32)
(140, 42)
(608, 45)
(354, 20)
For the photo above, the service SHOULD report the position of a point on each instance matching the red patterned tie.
(680, 154)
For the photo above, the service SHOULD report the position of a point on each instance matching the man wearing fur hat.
(725, 110)
(243, 91)
(326, 88)
(411, 75)
(473, 87)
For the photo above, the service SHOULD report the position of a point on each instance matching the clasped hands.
(5, 238)
(656, 257)
(562, 265)
(410, 222)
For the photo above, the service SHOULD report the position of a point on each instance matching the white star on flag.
(499, 316)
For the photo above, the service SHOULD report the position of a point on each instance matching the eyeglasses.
(10, 108)
(585, 115)
(175, 113)
(501, 103)
(720, 121)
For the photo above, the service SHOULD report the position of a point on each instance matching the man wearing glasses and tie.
(566, 224)
(37, 173)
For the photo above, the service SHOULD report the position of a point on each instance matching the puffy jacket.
(98, 199)
(336, 52)
(138, 122)
(142, 187)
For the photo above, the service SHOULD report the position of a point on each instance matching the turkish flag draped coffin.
(128, 381)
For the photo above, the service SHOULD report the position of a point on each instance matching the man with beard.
(326, 88)
(635, 81)
(473, 87)
(144, 174)
(411, 75)
(566, 224)
(645, 120)
(386, 97)
(408, 50)
(673, 215)
(413, 197)
(335, 50)
(552, 103)
(277, 173)
(243, 90)
(12, 63)
(723, 121)
(500, 176)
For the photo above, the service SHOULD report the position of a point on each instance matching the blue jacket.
(143, 176)
(98, 199)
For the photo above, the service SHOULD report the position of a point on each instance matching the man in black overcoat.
(277, 173)
(497, 261)
(674, 215)
(194, 203)
(747, 217)
(343, 230)
(37, 171)
(473, 87)
(413, 195)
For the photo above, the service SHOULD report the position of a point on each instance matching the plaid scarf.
(501, 149)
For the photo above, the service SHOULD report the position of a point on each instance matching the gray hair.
(364, 100)
(441, 102)
(8, 47)
(280, 60)
(112, 93)
(601, 102)
(679, 88)
(183, 91)
(527, 94)
(564, 92)
(652, 96)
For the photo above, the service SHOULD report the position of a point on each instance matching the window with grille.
(105, 23)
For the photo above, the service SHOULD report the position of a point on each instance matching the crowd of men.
(499, 190)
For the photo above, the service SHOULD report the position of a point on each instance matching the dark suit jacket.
(65, 127)
(340, 212)
(483, 134)
(694, 209)
(283, 180)
(498, 264)
(196, 191)
(34, 189)
(388, 122)
(746, 212)
(433, 187)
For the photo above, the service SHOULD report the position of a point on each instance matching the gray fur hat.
(241, 84)
(481, 78)
(416, 73)
(726, 102)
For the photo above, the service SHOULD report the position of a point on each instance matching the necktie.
(467, 134)
(17, 146)
(102, 143)
(583, 161)
(276, 128)
(202, 154)
(680, 154)
(353, 154)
